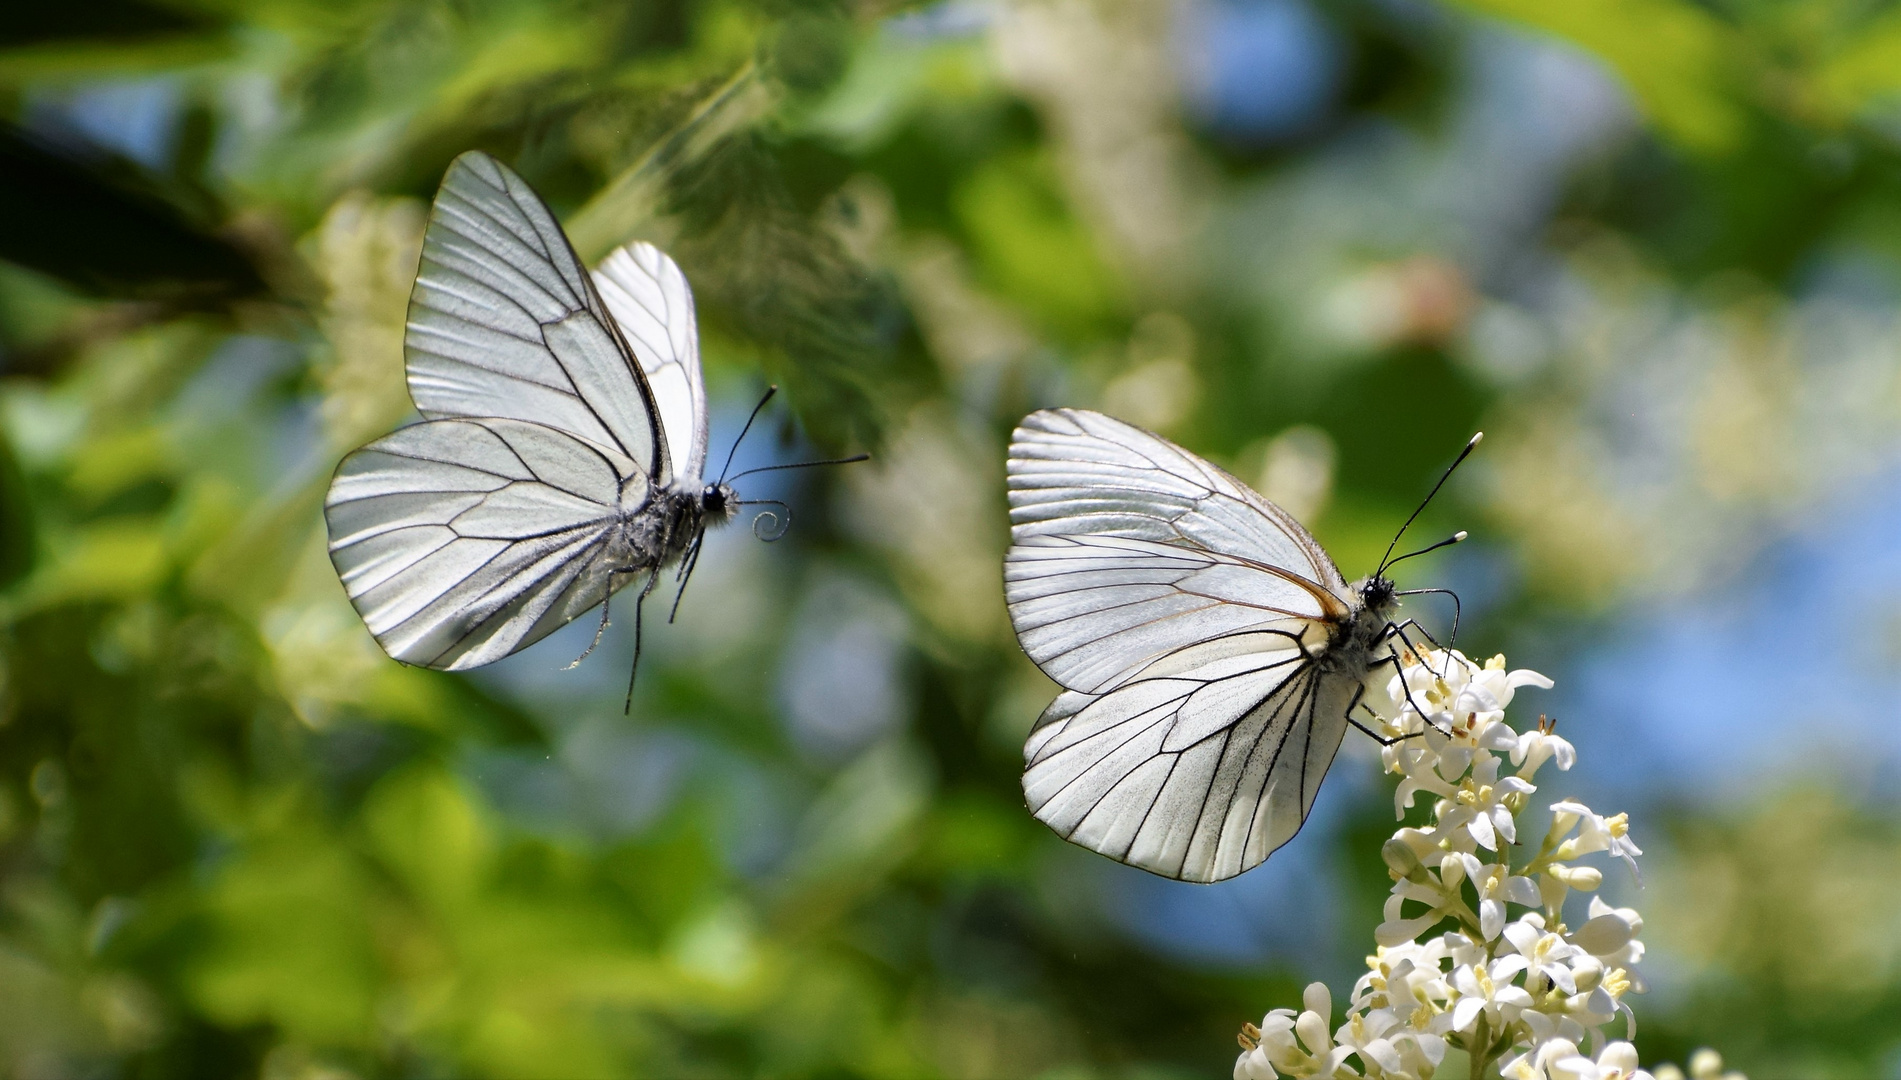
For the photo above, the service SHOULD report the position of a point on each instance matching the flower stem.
(1478, 1049)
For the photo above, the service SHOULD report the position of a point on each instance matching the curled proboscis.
(769, 525)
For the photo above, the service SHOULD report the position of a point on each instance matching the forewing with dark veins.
(485, 527)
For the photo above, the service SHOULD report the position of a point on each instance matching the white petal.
(1522, 890)
(1527, 677)
(1523, 936)
(1491, 918)
(1515, 996)
(1384, 1054)
(1603, 935)
(1481, 829)
(1465, 1012)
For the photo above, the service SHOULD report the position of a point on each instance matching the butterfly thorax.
(1359, 640)
(660, 528)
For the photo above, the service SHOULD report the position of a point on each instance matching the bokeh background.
(1652, 247)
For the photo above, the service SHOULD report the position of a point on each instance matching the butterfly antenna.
(770, 390)
(1447, 475)
(852, 460)
(1447, 542)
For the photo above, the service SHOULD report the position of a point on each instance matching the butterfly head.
(719, 502)
(1377, 592)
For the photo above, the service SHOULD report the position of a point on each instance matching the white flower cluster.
(1513, 983)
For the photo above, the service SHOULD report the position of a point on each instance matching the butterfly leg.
(653, 578)
(1381, 739)
(1393, 659)
(599, 630)
(1399, 628)
(687, 564)
(1359, 692)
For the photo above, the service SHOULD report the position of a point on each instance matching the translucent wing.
(1187, 618)
(648, 296)
(504, 322)
(1126, 547)
(1200, 766)
(461, 541)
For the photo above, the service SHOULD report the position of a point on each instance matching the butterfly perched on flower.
(1209, 650)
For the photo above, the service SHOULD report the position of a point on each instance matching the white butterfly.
(563, 444)
(1209, 650)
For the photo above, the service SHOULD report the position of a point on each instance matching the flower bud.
(1452, 869)
(1313, 1031)
(1582, 878)
(1318, 999)
(1400, 859)
(1706, 1064)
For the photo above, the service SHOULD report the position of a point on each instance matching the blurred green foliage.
(237, 840)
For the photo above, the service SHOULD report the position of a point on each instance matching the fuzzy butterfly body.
(1209, 649)
(563, 442)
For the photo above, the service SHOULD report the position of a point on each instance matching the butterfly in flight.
(562, 450)
(1209, 650)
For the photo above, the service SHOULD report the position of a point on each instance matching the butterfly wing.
(505, 322)
(1125, 547)
(1199, 767)
(461, 541)
(1182, 613)
(648, 296)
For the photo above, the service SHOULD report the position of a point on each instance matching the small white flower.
(1539, 745)
(1485, 990)
(1541, 1062)
(1388, 1048)
(1538, 990)
(1594, 1009)
(1365, 1034)
(1463, 951)
(1560, 1059)
(1260, 1045)
(1501, 684)
(1610, 934)
(1498, 886)
(1595, 833)
(1419, 766)
(1480, 808)
(1398, 929)
(1544, 1027)
(1545, 954)
(1290, 1045)
(1420, 1053)
(1406, 979)
(1252, 1064)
